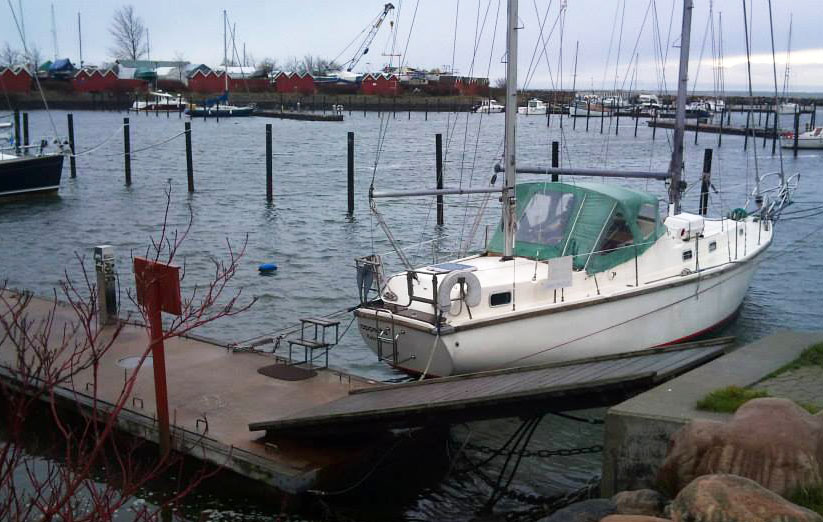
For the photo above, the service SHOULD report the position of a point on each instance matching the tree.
(317, 66)
(47, 352)
(35, 57)
(9, 55)
(268, 64)
(129, 34)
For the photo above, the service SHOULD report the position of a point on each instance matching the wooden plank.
(555, 387)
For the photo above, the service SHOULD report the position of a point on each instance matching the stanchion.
(127, 151)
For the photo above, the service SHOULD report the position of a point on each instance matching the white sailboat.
(575, 271)
(219, 107)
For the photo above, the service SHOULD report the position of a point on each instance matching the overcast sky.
(281, 29)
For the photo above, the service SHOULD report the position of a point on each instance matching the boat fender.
(267, 267)
(452, 279)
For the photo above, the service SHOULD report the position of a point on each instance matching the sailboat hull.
(635, 320)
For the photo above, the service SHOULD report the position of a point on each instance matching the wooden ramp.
(505, 393)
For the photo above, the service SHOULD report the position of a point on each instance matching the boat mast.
(511, 116)
(676, 165)
(225, 59)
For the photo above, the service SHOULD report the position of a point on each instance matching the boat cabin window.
(687, 254)
(712, 246)
(617, 235)
(545, 217)
(499, 299)
(647, 220)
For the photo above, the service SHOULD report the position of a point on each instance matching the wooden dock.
(301, 116)
(505, 393)
(711, 128)
(220, 399)
(214, 392)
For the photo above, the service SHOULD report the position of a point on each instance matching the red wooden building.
(16, 79)
(467, 86)
(95, 80)
(207, 82)
(294, 83)
(248, 84)
(380, 84)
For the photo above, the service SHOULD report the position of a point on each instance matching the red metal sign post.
(158, 290)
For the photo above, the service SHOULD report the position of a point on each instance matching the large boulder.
(640, 502)
(771, 441)
(633, 518)
(729, 498)
(584, 511)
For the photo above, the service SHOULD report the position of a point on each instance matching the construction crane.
(363, 48)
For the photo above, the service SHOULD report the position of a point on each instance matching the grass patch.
(810, 498)
(811, 356)
(727, 400)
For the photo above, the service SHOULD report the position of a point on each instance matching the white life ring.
(444, 289)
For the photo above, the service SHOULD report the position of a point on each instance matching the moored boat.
(534, 107)
(575, 270)
(811, 139)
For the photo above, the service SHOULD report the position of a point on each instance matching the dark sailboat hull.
(32, 174)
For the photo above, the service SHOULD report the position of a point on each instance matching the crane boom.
(363, 48)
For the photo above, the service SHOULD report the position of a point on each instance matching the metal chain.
(543, 453)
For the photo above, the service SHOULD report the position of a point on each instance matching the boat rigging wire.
(751, 96)
(21, 32)
(774, 71)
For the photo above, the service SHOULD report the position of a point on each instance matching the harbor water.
(307, 233)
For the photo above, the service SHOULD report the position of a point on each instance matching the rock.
(633, 518)
(771, 441)
(640, 502)
(584, 511)
(729, 498)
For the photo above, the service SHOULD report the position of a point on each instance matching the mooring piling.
(269, 190)
(438, 151)
(720, 134)
(746, 133)
(696, 129)
(16, 131)
(602, 118)
(774, 134)
(72, 164)
(768, 114)
(588, 113)
(796, 131)
(555, 159)
(127, 151)
(705, 182)
(25, 133)
(617, 123)
(189, 166)
(636, 120)
(654, 125)
(350, 171)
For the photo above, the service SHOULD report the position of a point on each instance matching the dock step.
(314, 337)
